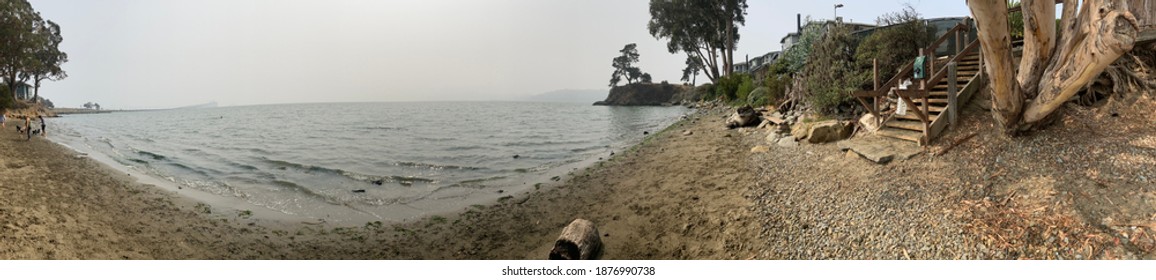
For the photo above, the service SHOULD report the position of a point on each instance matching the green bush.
(745, 87)
(794, 59)
(893, 47)
(728, 87)
(759, 97)
(830, 72)
(1015, 21)
(776, 87)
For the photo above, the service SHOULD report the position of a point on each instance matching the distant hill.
(571, 95)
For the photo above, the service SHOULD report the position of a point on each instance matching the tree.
(88, 105)
(1052, 69)
(17, 20)
(704, 29)
(645, 78)
(47, 57)
(624, 66)
(31, 48)
(96, 105)
(690, 73)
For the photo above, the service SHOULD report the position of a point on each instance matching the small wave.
(479, 180)
(302, 189)
(403, 180)
(435, 139)
(280, 164)
(189, 169)
(154, 156)
(435, 166)
(542, 143)
(378, 127)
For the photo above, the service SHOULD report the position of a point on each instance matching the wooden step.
(932, 101)
(905, 124)
(911, 116)
(901, 134)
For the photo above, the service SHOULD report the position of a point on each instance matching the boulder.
(743, 116)
(760, 149)
(801, 129)
(787, 142)
(773, 137)
(829, 131)
(869, 122)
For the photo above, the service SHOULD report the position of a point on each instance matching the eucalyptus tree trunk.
(1093, 37)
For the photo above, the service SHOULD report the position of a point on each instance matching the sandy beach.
(697, 195)
(674, 196)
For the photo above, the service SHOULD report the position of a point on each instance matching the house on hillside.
(942, 25)
(754, 63)
(793, 38)
(23, 90)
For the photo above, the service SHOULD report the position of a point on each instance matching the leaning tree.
(1054, 67)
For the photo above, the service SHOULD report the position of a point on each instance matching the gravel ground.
(1081, 188)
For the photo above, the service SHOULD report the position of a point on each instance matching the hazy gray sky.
(127, 54)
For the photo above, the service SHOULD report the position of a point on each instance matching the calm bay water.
(362, 161)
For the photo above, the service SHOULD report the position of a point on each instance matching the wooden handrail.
(962, 28)
(950, 32)
(939, 75)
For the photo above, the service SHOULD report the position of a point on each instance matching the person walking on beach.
(27, 128)
(43, 132)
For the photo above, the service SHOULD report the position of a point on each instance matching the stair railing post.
(875, 100)
(952, 103)
(958, 41)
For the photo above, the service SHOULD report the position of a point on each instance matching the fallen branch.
(956, 143)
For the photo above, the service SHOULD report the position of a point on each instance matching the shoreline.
(58, 205)
(705, 195)
(453, 201)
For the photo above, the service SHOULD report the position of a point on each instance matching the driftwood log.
(578, 241)
(743, 116)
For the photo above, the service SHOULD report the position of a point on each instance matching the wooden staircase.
(930, 100)
(910, 127)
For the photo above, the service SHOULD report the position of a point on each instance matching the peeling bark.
(1094, 35)
(1105, 31)
(1039, 42)
(995, 42)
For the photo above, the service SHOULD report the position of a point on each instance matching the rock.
(380, 181)
(359, 191)
(851, 154)
(766, 123)
(687, 132)
(760, 149)
(642, 94)
(773, 137)
(517, 156)
(800, 130)
(829, 131)
(743, 116)
(869, 122)
(788, 142)
(579, 241)
(645, 132)
(881, 150)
